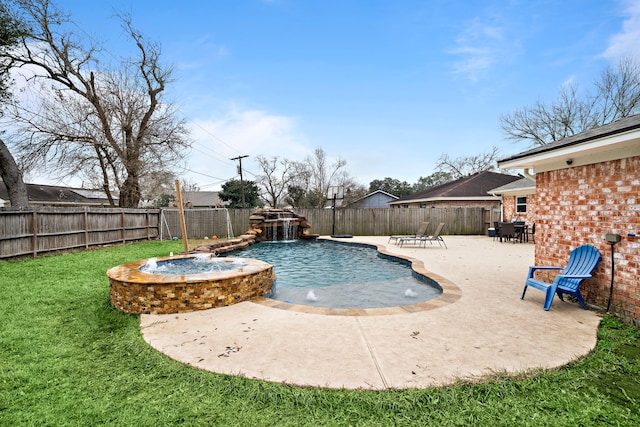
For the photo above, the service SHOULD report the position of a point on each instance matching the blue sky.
(388, 86)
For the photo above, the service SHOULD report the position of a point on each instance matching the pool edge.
(450, 292)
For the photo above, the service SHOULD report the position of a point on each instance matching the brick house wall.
(509, 209)
(581, 205)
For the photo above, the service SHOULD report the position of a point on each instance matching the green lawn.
(68, 358)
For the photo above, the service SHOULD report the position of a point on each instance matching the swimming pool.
(332, 274)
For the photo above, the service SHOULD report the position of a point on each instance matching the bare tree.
(153, 185)
(468, 165)
(278, 174)
(617, 95)
(352, 190)
(618, 92)
(10, 31)
(313, 177)
(187, 184)
(88, 117)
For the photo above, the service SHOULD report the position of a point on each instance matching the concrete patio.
(478, 327)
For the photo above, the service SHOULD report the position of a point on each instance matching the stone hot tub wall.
(133, 291)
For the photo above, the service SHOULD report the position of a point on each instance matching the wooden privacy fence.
(199, 223)
(382, 221)
(31, 232)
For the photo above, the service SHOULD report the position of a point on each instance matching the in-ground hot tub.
(227, 281)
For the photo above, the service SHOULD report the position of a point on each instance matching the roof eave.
(522, 191)
(445, 199)
(605, 148)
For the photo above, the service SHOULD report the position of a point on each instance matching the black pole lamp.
(612, 239)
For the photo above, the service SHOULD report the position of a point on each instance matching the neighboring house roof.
(473, 187)
(522, 186)
(617, 140)
(209, 199)
(373, 194)
(56, 195)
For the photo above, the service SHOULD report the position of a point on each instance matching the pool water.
(338, 275)
(195, 265)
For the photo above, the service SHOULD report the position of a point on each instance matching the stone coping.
(130, 272)
(135, 291)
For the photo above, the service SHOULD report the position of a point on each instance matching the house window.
(521, 204)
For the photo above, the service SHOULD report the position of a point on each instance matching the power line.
(219, 180)
(225, 161)
(208, 176)
(215, 137)
(203, 186)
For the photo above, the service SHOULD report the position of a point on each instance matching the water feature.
(339, 275)
(278, 224)
(281, 229)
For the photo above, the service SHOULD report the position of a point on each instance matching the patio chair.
(423, 240)
(582, 261)
(507, 231)
(422, 231)
(496, 227)
(531, 231)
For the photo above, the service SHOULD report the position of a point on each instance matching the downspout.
(501, 206)
(529, 174)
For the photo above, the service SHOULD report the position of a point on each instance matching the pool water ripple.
(339, 275)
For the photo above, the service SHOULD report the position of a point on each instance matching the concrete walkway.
(479, 327)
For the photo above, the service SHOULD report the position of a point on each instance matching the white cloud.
(479, 46)
(208, 44)
(238, 132)
(569, 81)
(626, 43)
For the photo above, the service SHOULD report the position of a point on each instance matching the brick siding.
(580, 205)
(509, 209)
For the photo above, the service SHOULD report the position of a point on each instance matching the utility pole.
(239, 159)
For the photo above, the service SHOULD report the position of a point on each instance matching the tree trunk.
(12, 177)
(130, 192)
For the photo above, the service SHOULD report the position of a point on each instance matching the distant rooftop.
(476, 186)
(58, 195)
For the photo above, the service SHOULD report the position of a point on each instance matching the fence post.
(34, 230)
(122, 227)
(147, 217)
(86, 228)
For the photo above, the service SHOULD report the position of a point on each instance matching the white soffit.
(613, 147)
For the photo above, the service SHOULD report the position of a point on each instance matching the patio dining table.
(521, 231)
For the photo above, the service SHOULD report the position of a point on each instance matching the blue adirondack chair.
(582, 261)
